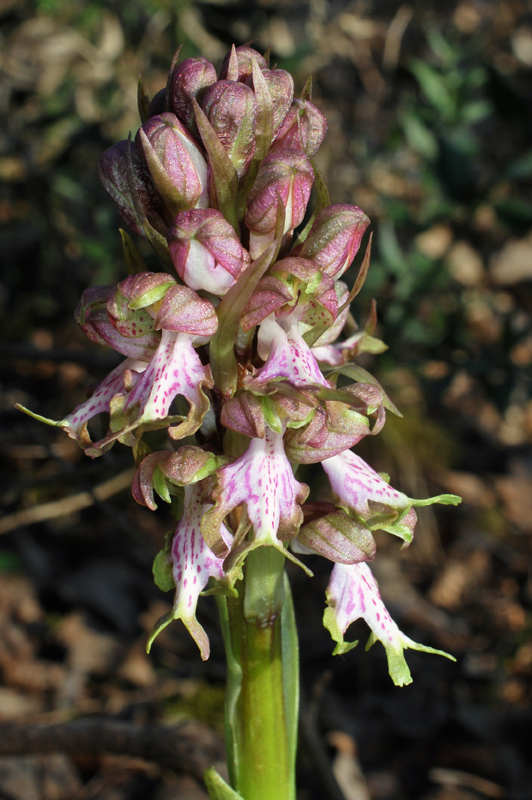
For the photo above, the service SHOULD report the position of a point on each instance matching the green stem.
(262, 695)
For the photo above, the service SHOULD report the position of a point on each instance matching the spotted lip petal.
(193, 563)
(356, 485)
(290, 357)
(174, 370)
(361, 490)
(75, 424)
(263, 480)
(353, 594)
(136, 393)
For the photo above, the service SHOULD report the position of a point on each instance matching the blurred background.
(429, 107)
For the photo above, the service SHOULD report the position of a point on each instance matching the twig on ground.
(189, 747)
(67, 505)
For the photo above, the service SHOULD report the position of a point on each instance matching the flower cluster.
(238, 342)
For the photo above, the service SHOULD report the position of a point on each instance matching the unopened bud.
(284, 175)
(188, 80)
(335, 238)
(303, 127)
(176, 165)
(238, 63)
(205, 250)
(281, 86)
(231, 109)
(132, 190)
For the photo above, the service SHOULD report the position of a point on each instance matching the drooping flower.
(263, 480)
(361, 490)
(192, 564)
(353, 594)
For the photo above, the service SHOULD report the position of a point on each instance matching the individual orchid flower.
(262, 479)
(290, 358)
(361, 490)
(353, 594)
(139, 394)
(188, 565)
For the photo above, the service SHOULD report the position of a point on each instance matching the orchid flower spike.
(235, 347)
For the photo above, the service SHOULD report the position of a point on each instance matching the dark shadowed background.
(429, 108)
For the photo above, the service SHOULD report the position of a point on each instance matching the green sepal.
(217, 788)
(134, 261)
(306, 92)
(223, 172)
(329, 622)
(160, 485)
(152, 296)
(162, 568)
(223, 361)
(143, 101)
(271, 414)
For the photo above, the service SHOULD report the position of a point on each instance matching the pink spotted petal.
(76, 422)
(174, 370)
(193, 563)
(290, 357)
(353, 594)
(263, 480)
(357, 485)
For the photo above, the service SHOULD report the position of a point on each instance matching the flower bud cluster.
(235, 341)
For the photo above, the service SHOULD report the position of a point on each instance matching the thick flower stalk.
(236, 348)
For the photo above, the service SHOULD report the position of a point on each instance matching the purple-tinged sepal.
(330, 432)
(244, 414)
(176, 164)
(189, 80)
(127, 180)
(333, 534)
(262, 479)
(231, 109)
(353, 594)
(93, 318)
(165, 472)
(281, 87)
(285, 174)
(303, 128)
(205, 250)
(188, 564)
(334, 239)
